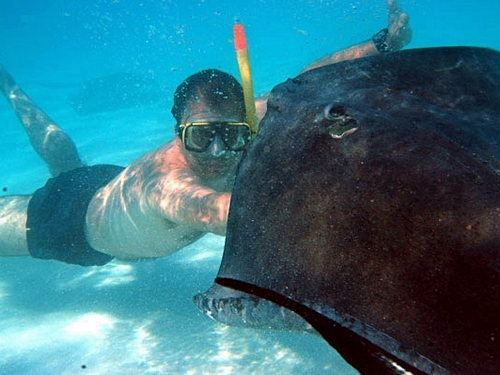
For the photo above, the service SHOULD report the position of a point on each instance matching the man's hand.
(400, 32)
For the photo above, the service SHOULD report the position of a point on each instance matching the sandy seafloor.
(138, 318)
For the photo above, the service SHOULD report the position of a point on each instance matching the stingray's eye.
(334, 111)
(341, 122)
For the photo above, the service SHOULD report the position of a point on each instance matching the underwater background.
(105, 71)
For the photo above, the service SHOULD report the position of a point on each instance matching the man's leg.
(13, 214)
(50, 142)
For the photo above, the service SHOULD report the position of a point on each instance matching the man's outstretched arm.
(395, 37)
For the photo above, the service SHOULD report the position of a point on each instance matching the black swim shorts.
(56, 216)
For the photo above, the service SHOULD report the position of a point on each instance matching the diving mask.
(198, 136)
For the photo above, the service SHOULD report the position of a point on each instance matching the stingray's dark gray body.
(369, 204)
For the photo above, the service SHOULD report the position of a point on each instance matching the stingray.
(114, 92)
(368, 209)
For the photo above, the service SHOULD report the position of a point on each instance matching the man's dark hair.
(216, 88)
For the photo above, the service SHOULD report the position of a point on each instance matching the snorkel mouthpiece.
(240, 45)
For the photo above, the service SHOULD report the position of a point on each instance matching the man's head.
(218, 90)
(209, 109)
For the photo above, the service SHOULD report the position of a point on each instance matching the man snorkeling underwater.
(163, 201)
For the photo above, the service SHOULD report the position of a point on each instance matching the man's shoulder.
(167, 157)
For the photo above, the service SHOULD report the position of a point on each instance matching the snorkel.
(240, 45)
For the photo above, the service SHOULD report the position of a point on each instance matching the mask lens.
(236, 137)
(198, 138)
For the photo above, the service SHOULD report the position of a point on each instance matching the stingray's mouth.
(231, 307)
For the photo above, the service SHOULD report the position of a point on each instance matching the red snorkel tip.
(240, 45)
(240, 40)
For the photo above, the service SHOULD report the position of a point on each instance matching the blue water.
(137, 318)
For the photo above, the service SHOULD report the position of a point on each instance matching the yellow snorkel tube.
(241, 47)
